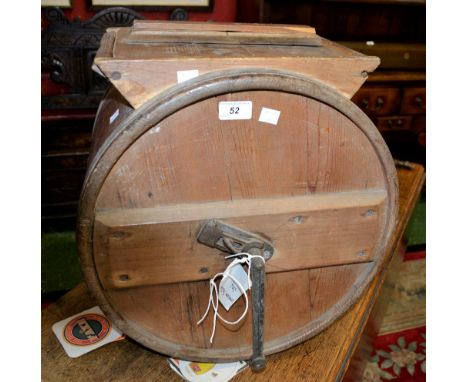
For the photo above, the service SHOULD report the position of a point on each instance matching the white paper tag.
(185, 75)
(235, 110)
(229, 291)
(114, 116)
(270, 116)
(85, 332)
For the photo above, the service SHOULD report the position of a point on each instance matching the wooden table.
(323, 358)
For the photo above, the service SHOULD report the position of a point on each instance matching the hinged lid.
(145, 59)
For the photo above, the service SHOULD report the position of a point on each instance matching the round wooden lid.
(297, 164)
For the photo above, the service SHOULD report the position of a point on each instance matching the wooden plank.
(218, 27)
(149, 32)
(224, 38)
(239, 208)
(158, 245)
(119, 46)
(196, 33)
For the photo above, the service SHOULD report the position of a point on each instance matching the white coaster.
(85, 332)
(206, 372)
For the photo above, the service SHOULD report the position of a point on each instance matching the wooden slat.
(219, 27)
(158, 245)
(239, 208)
(218, 33)
(228, 38)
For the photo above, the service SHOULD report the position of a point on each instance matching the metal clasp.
(231, 239)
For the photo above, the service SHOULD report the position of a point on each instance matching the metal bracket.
(228, 238)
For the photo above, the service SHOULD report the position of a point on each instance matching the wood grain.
(140, 74)
(322, 358)
(311, 149)
(159, 245)
(112, 110)
(176, 151)
(310, 294)
(223, 27)
(150, 32)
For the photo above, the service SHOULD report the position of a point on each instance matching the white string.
(246, 259)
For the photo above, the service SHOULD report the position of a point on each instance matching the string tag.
(229, 292)
(231, 284)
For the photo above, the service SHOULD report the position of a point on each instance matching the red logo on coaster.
(87, 329)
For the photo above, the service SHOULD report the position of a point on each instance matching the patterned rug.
(400, 349)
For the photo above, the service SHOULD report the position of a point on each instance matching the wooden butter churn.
(222, 138)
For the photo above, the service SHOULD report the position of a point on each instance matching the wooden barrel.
(307, 171)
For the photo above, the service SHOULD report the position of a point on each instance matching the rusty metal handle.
(231, 239)
(258, 361)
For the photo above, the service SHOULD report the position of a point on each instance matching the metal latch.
(230, 239)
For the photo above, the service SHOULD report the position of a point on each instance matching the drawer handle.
(379, 103)
(399, 122)
(419, 102)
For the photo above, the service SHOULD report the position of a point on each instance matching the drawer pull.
(418, 101)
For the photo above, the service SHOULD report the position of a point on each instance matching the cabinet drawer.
(414, 101)
(378, 101)
(419, 123)
(394, 123)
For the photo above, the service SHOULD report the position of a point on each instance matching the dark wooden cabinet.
(66, 138)
(414, 100)
(397, 106)
(378, 101)
(394, 123)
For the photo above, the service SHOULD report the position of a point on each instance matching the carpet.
(399, 351)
